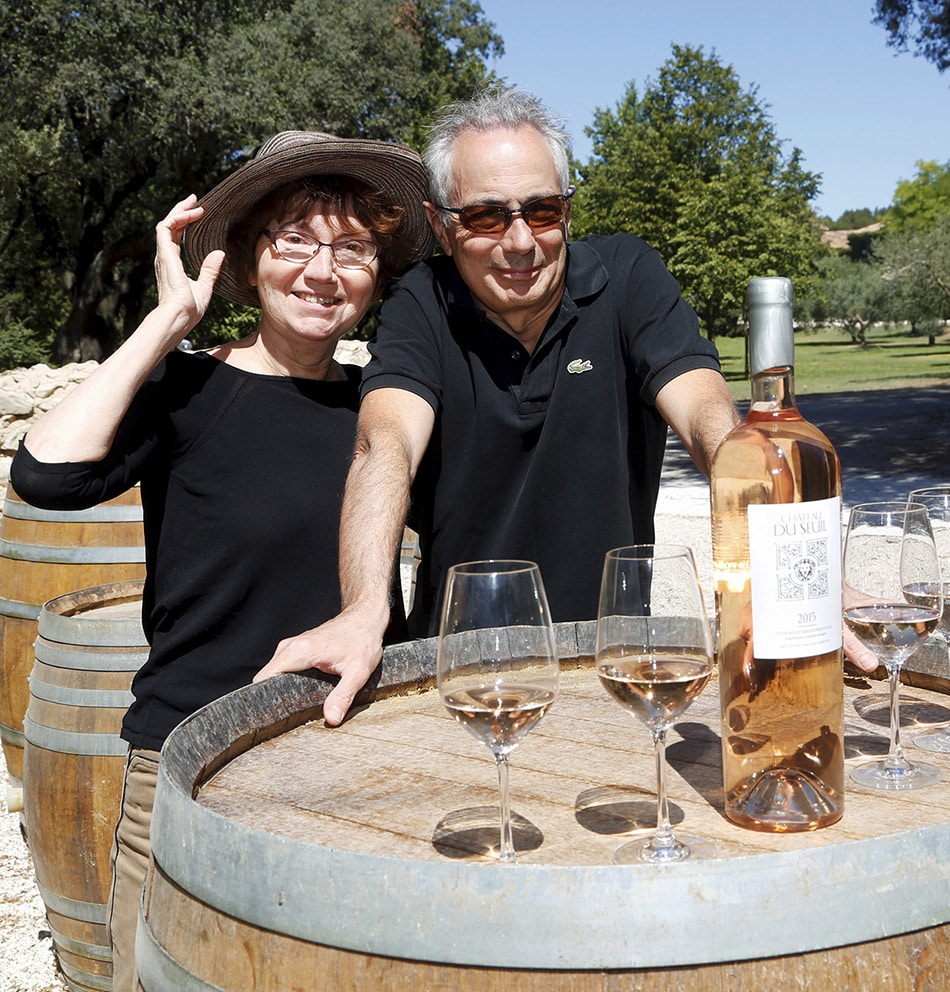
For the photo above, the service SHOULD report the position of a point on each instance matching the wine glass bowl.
(497, 665)
(936, 499)
(654, 655)
(892, 601)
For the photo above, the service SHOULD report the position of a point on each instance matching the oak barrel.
(44, 554)
(90, 646)
(287, 854)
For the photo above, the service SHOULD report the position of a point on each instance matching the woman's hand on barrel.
(176, 291)
(346, 646)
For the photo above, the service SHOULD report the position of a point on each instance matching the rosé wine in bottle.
(775, 488)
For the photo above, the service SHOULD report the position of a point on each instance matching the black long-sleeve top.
(242, 478)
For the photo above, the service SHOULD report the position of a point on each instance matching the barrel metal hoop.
(70, 556)
(49, 692)
(93, 514)
(157, 970)
(10, 735)
(68, 656)
(19, 611)
(73, 909)
(68, 742)
(94, 952)
(81, 980)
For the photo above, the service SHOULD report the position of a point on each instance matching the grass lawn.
(826, 361)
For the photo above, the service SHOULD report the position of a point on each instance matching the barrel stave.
(89, 647)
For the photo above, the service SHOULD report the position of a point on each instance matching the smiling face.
(310, 306)
(517, 275)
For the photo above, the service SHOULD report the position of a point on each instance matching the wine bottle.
(775, 489)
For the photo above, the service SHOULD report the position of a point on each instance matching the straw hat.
(290, 155)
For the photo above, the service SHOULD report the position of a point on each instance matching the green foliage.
(696, 169)
(854, 220)
(906, 278)
(916, 266)
(20, 346)
(925, 23)
(921, 202)
(114, 110)
(851, 294)
(224, 321)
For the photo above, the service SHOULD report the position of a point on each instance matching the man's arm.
(698, 407)
(394, 430)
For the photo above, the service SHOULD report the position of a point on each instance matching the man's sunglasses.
(490, 218)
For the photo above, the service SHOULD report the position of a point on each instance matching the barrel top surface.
(387, 817)
(396, 776)
(105, 615)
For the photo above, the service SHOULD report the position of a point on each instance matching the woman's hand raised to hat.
(82, 427)
(176, 290)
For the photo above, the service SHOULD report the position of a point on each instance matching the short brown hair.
(338, 195)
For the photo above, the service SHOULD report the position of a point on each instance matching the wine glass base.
(937, 741)
(879, 775)
(644, 850)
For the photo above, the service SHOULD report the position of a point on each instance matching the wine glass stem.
(895, 753)
(506, 850)
(664, 830)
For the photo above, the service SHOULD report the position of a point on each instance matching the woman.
(241, 451)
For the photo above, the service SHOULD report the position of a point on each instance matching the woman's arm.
(82, 427)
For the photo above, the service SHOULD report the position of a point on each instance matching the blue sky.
(861, 114)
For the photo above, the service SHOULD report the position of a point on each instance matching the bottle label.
(795, 558)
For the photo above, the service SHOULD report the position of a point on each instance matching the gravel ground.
(26, 950)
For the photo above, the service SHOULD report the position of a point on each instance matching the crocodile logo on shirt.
(579, 365)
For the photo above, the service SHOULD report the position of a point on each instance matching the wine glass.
(497, 665)
(654, 655)
(937, 501)
(892, 600)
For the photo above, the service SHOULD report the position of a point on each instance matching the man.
(521, 385)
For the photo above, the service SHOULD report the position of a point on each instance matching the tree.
(925, 23)
(916, 267)
(696, 169)
(921, 202)
(854, 220)
(113, 110)
(853, 294)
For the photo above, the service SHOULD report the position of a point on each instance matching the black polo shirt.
(554, 457)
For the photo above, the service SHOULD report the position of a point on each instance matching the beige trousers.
(130, 856)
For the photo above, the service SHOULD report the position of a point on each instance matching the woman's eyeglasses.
(348, 253)
(491, 218)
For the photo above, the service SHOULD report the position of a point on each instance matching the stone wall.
(25, 395)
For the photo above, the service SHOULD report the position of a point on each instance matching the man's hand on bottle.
(860, 656)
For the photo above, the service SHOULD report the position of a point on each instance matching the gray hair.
(490, 110)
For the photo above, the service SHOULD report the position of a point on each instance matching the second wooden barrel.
(90, 646)
(44, 554)
(287, 855)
